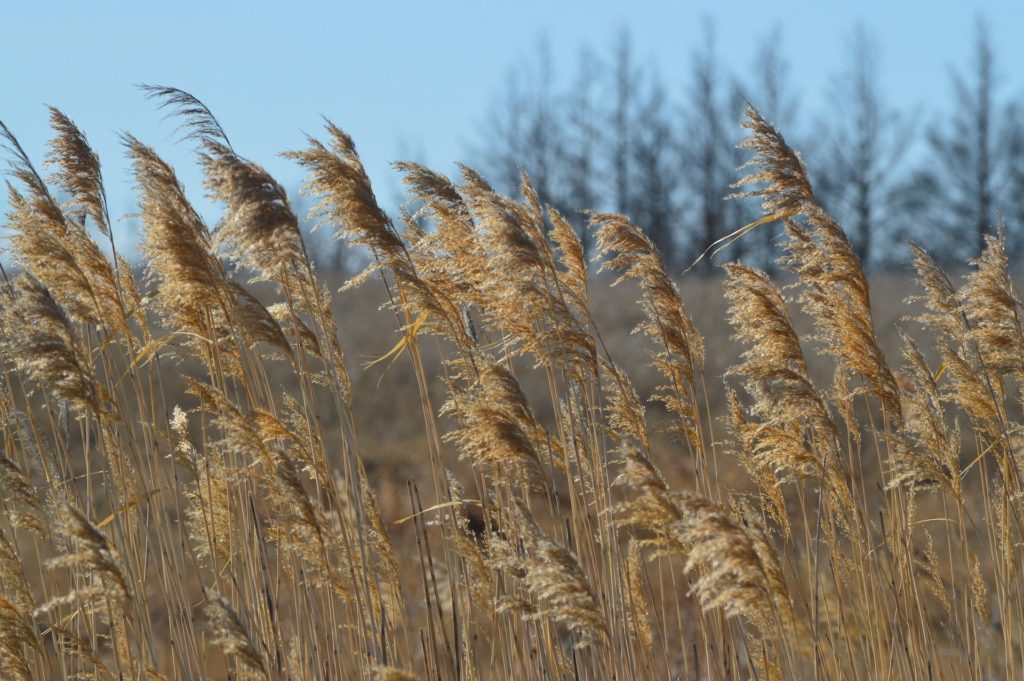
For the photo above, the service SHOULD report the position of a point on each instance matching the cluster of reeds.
(234, 532)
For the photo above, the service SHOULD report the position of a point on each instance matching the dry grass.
(196, 486)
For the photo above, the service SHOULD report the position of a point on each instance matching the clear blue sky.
(415, 79)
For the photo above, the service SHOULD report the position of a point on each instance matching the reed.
(835, 517)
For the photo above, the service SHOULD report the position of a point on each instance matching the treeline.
(619, 135)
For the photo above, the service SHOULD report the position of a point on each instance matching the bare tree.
(865, 143)
(743, 211)
(770, 90)
(503, 133)
(1014, 192)
(625, 77)
(705, 147)
(767, 88)
(523, 130)
(962, 190)
(656, 174)
(544, 134)
(772, 94)
(580, 148)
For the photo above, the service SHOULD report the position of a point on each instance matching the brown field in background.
(395, 448)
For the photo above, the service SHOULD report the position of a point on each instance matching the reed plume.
(835, 290)
(228, 632)
(94, 555)
(16, 636)
(176, 243)
(78, 171)
(40, 340)
(627, 250)
(54, 246)
(734, 566)
(556, 584)
(792, 431)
